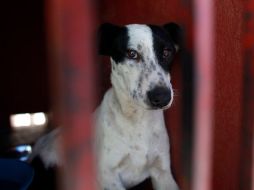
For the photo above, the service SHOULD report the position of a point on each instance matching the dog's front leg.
(111, 181)
(113, 186)
(162, 178)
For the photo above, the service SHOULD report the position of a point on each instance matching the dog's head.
(141, 57)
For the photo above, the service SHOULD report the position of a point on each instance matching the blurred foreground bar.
(204, 54)
(70, 28)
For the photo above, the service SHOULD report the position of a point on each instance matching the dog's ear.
(175, 32)
(107, 34)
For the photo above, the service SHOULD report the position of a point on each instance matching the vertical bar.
(70, 46)
(248, 44)
(204, 52)
(252, 175)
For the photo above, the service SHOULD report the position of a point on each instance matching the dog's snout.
(159, 97)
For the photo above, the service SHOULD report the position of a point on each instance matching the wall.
(23, 70)
(228, 94)
(23, 67)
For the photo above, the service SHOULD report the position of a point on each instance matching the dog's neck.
(127, 107)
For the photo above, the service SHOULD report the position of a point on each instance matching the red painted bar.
(248, 44)
(70, 45)
(228, 94)
(204, 52)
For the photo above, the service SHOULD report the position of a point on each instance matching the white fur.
(47, 147)
(132, 146)
(131, 139)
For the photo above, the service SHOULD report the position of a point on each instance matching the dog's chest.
(129, 148)
(129, 153)
(130, 142)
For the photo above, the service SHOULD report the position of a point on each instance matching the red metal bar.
(248, 44)
(71, 42)
(204, 52)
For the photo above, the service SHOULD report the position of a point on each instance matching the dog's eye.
(167, 52)
(132, 54)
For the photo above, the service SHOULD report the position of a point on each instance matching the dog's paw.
(47, 148)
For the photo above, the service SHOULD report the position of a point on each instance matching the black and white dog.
(131, 139)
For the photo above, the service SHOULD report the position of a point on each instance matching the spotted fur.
(131, 139)
(133, 143)
(137, 77)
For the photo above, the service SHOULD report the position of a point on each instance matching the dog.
(132, 143)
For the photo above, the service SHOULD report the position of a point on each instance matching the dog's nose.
(159, 96)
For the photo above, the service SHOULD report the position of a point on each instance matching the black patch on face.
(113, 41)
(162, 40)
(119, 46)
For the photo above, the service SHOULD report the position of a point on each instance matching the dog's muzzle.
(159, 97)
